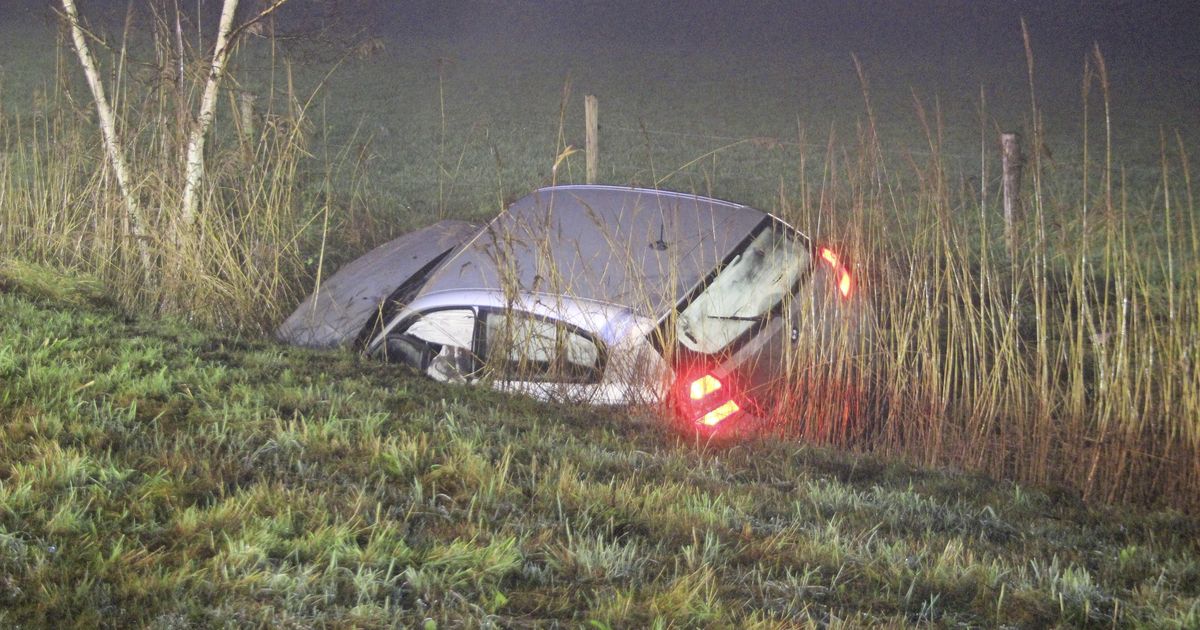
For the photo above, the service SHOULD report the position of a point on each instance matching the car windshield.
(745, 291)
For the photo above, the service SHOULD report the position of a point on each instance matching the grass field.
(153, 472)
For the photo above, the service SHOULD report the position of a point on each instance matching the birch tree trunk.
(116, 154)
(194, 164)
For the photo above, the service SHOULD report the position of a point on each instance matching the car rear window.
(748, 287)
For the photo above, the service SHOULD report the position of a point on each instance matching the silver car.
(601, 294)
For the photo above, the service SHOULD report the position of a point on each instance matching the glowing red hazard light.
(703, 386)
(709, 403)
(845, 283)
(716, 416)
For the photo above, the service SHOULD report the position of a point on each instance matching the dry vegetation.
(1068, 357)
(237, 264)
(1069, 361)
(153, 474)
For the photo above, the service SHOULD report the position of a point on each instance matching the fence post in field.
(1012, 163)
(247, 132)
(293, 104)
(246, 102)
(592, 123)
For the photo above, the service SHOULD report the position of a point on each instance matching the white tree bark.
(194, 164)
(108, 128)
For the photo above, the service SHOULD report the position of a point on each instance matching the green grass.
(1066, 360)
(152, 474)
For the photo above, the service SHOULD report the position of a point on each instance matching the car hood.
(339, 308)
(641, 249)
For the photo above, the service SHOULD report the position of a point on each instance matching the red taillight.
(703, 386)
(845, 283)
(714, 417)
(704, 406)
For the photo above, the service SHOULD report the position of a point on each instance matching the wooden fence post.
(246, 125)
(1012, 163)
(246, 102)
(592, 123)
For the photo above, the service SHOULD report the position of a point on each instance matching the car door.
(542, 357)
(442, 343)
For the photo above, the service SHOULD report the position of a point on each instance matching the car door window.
(522, 347)
(438, 343)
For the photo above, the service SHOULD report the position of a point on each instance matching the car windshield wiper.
(736, 318)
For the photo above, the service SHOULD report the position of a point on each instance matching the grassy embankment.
(154, 474)
(1069, 363)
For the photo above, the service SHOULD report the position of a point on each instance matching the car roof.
(637, 248)
(607, 322)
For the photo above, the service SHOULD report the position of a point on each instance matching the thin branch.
(116, 155)
(194, 164)
(254, 20)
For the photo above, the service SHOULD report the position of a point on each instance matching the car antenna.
(660, 245)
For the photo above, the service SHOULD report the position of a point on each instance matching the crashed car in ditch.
(601, 294)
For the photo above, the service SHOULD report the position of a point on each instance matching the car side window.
(522, 347)
(438, 343)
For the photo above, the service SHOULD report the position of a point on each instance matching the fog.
(790, 60)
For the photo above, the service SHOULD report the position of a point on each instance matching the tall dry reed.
(1070, 358)
(265, 196)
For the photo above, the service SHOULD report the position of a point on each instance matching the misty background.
(488, 78)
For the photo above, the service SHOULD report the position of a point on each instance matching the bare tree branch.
(254, 20)
(108, 129)
(194, 164)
